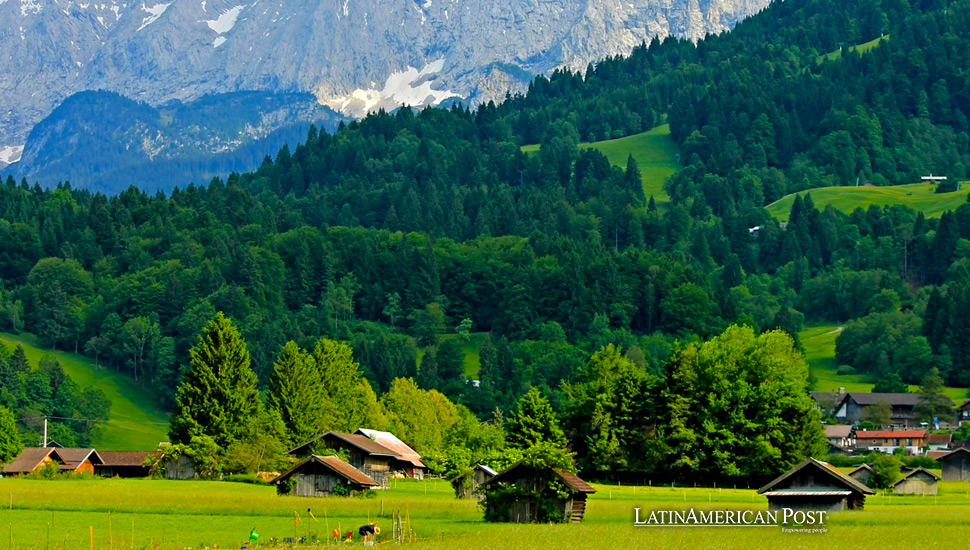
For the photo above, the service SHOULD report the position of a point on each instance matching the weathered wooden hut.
(862, 474)
(465, 485)
(406, 462)
(368, 456)
(179, 467)
(815, 485)
(956, 465)
(33, 458)
(79, 460)
(321, 476)
(916, 482)
(126, 463)
(533, 495)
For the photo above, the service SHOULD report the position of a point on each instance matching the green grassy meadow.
(654, 152)
(861, 48)
(918, 196)
(470, 348)
(819, 345)
(135, 422)
(174, 515)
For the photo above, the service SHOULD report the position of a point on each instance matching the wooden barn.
(406, 462)
(956, 465)
(368, 456)
(531, 495)
(125, 463)
(318, 476)
(862, 474)
(815, 485)
(916, 482)
(466, 484)
(31, 459)
(179, 467)
(79, 460)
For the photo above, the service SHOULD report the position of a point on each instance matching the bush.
(844, 370)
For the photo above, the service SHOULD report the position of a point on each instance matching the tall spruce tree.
(217, 397)
(296, 392)
(534, 422)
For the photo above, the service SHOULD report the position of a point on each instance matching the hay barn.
(815, 485)
(528, 482)
(956, 465)
(916, 482)
(318, 476)
(467, 483)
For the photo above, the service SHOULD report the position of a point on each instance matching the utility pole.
(45, 432)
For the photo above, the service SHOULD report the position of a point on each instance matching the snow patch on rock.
(154, 13)
(11, 154)
(226, 21)
(408, 87)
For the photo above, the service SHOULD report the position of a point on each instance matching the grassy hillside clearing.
(819, 345)
(918, 196)
(861, 48)
(654, 152)
(470, 348)
(135, 423)
(173, 515)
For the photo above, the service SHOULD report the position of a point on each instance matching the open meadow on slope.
(918, 196)
(136, 422)
(653, 151)
(173, 515)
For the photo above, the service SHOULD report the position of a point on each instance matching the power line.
(99, 420)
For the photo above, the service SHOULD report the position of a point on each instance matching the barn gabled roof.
(915, 472)
(954, 453)
(126, 458)
(834, 473)
(73, 458)
(389, 440)
(571, 480)
(30, 458)
(334, 464)
(361, 442)
(858, 468)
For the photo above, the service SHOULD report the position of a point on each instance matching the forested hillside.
(401, 227)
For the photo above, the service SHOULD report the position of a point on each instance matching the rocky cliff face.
(353, 55)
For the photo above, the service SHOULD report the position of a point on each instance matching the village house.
(527, 481)
(407, 462)
(32, 459)
(852, 407)
(956, 465)
(126, 463)
(815, 485)
(840, 435)
(963, 412)
(916, 482)
(322, 476)
(938, 442)
(887, 441)
(467, 483)
(862, 474)
(368, 456)
(79, 460)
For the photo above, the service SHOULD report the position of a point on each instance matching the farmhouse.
(887, 441)
(322, 476)
(963, 412)
(125, 463)
(815, 485)
(862, 474)
(33, 458)
(938, 442)
(531, 498)
(956, 465)
(916, 482)
(368, 456)
(840, 435)
(825, 401)
(407, 461)
(851, 408)
(466, 484)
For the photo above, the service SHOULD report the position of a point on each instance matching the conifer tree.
(534, 422)
(10, 443)
(217, 397)
(296, 393)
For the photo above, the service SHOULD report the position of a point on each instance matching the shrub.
(844, 370)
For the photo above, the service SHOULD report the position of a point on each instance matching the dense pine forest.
(406, 226)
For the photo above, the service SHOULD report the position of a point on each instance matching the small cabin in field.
(79, 460)
(466, 484)
(406, 462)
(31, 459)
(530, 499)
(319, 476)
(126, 463)
(815, 485)
(368, 456)
(916, 482)
(956, 465)
(862, 474)
(179, 467)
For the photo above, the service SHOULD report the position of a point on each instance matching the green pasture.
(174, 515)
(861, 48)
(819, 347)
(135, 423)
(918, 196)
(654, 152)
(470, 348)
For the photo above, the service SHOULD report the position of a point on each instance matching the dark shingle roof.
(915, 472)
(361, 442)
(571, 480)
(955, 453)
(73, 458)
(835, 474)
(126, 458)
(30, 458)
(896, 399)
(335, 465)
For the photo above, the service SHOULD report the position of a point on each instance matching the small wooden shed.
(407, 461)
(956, 465)
(318, 476)
(126, 463)
(529, 500)
(815, 485)
(368, 456)
(466, 484)
(862, 474)
(916, 482)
